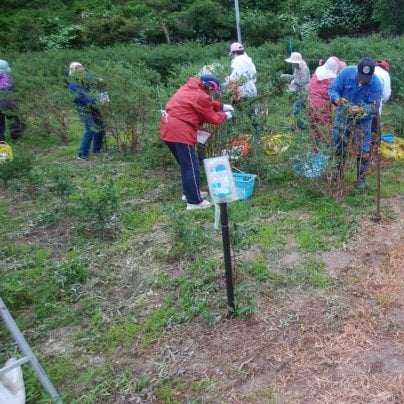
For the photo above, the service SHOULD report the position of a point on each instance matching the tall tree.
(390, 15)
(161, 8)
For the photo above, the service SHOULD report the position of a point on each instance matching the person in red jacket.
(186, 111)
(320, 120)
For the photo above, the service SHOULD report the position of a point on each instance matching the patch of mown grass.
(267, 237)
(156, 321)
(96, 206)
(242, 211)
(258, 268)
(121, 334)
(104, 383)
(134, 181)
(8, 223)
(260, 395)
(181, 390)
(391, 182)
(310, 273)
(141, 219)
(190, 295)
(62, 371)
(310, 241)
(191, 238)
(333, 222)
(40, 282)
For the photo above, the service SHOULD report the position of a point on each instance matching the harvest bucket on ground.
(244, 185)
(6, 152)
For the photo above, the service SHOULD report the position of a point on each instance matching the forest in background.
(32, 25)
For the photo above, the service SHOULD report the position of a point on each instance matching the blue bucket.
(244, 185)
(387, 138)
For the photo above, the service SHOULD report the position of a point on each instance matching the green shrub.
(18, 168)
(97, 207)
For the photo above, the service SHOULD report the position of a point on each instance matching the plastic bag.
(102, 98)
(12, 389)
(222, 187)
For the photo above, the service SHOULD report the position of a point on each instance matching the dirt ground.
(306, 347)
(312, 348)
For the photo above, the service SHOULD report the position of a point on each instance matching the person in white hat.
(81, 85)
(241, 82)
(300, 78)
(243, 73)
(299, 82)
(8, 106)
(320, 120)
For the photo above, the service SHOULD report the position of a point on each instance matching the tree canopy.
(29, 25)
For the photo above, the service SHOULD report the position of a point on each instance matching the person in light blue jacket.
(83, 87)
(356, 92)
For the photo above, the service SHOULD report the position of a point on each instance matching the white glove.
(227, 107)
(228, 115)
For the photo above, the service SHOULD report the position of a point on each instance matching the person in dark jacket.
(84, 87)
(8, 105)
(186, 111)
(355, 91)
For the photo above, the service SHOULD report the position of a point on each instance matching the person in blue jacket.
(83, 87)
(356, 92)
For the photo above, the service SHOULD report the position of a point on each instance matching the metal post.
(237, 21)
(227, 258)
(377, 216)
(30, 356)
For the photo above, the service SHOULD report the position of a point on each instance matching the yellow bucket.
(276, 144)
(6, 152)
(393, 151)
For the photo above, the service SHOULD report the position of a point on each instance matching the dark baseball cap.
(366, 68)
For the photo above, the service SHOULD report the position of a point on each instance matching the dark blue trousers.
(13, 123)
(94, 132)
(188, 162)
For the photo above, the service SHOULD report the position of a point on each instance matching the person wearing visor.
(185, 112)
(355, 91)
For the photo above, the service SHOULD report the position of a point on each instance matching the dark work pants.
(188, 162)
(94, 132)
(13, 123)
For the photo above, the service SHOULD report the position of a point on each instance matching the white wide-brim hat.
(295, 57)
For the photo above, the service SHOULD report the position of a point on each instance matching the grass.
(179, 390)
(107, 246)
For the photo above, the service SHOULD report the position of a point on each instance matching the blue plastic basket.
(244, 185)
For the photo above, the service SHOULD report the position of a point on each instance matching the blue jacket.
(346, 86)
(81, 98)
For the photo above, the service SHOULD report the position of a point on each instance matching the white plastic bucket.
(202, 136)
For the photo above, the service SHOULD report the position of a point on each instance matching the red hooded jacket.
(187, 110)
